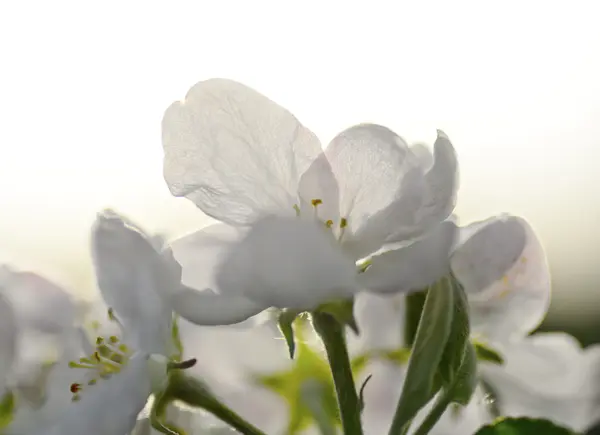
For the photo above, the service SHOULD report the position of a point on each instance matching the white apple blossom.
(111, 385)
(246, 161)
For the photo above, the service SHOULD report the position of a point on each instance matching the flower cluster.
(336, 293)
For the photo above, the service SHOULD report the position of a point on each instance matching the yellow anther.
(505, 280)
(111, 314)
(95, 325)
(297, 209)
(329, 223)
(523, 260)
(99, 341)
(114, 339)
(316, 202)
(503, 293)
(343, 223)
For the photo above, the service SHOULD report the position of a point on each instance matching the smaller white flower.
(119, 369)
(295, 218)
(548, 375)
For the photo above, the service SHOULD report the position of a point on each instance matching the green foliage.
(7, 409)
(523, 426)
(285, 321)
(486, 353)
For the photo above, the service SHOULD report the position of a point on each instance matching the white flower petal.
(38, 303)
(441, 181)
(287, 263)
(413, 267)
(319, 192)
(199, 254)
(372, 165)
(235, 153)
(548, 375)
(8, 337)
(208, 308)
(111, 407)
(503, 268)
(134, 280)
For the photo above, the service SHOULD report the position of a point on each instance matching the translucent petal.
(413, 267)
(235, 153)
(378, 176)
(287, 263)
(503, 268)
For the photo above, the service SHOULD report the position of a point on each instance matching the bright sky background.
(83, 86)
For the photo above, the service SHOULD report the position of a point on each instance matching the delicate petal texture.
(381, 396)
(111, 407)
(319, 192)
(134, 280)
(8, 339)
(413, 267)
(380, 320)
(40, 304)
(199, 254)
(504, 271)
(424, 154)
(287, 263)
(233, 152)
(441, 183)
(373, 167)
(209, 308)
(548, 375)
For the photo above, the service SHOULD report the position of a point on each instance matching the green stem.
(196, 394)
(434, 415)
(332, 334)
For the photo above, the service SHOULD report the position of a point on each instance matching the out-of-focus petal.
(235, 153)
(413, 267)
(548, 375)
(8, 341)
(287, 263)
(503, 268)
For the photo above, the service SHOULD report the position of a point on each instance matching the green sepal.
(465, 380)
(176, 339)
(523, 426)
(343, 312)
(487, 354)
(285, 321)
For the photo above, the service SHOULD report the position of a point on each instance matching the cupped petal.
(209, 308)
(287, 263)
(441, 183)
(134, 280)
(235, 153)
(548, 375)
(319, 193)
(377, 175)
(110, 407)
(8, 341)
(502, 266)
(412, 267)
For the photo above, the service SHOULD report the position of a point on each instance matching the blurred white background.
(83, 86)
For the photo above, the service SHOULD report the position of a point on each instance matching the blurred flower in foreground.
(37, 318)
(122, 368)
(246, 161)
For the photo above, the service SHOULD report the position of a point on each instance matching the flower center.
(329, 223)
(109, 357)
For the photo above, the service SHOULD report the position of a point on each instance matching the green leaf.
(343, 312)
(413, 309)
(486, 353)
(430, 341)
(523, 426)
(454, 351)
(466, 378)
(285, 323)
(7, 409)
